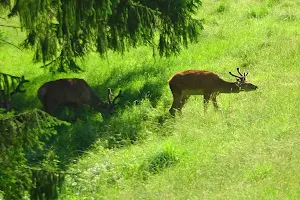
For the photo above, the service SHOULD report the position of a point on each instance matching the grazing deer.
(76, 92)
(209, 84)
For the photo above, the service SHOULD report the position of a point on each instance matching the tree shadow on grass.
(122, 129)
(147, 82)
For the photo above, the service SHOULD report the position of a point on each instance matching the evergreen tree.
(60, 31)
(21, 137)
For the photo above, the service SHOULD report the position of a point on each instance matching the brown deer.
(73, 91)
(209, 84)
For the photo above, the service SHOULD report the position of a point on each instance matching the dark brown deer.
(209, 84)
(73, 91)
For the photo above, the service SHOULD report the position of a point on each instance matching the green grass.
(248, 150)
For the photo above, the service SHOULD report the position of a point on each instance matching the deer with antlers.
(209, 84)
(73, 91)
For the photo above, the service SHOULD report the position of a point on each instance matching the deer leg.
(8, 105)
(176, 103)
(183, 101)
(214, 100)
(50, 107)
(206, 99)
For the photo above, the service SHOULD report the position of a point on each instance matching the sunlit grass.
(247, 150)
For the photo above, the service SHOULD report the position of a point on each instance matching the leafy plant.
(160, 160)
(222, 7)
(21, 135)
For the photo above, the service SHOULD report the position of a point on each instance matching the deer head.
(242, 82)
(108, 108)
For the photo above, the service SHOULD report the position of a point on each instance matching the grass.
(248, 150)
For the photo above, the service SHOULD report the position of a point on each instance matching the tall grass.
(247, 150)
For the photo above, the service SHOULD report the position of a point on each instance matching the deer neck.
(229, 87)
(96, 101)
(100, 105)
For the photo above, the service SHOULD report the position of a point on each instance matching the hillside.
(248, 150)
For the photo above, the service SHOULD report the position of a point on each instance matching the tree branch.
(1, 40)
(10, 26)
(46, 65)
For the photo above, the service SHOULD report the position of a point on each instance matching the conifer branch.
(9, 26)
(74, 28)
(50, 63)
(6, 42)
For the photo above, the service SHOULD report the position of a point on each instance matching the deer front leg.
(183, 101)
(50, 107)
(214, 100)
(176, 103)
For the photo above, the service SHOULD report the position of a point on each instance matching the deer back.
(67, 91)
(195, 80)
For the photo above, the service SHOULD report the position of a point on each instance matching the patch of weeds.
(258, 12)
(160, 160)
(246, 55)
(287, 17)
(88, 179)
(272, 2)
(75, 139)
(259, 172)
(134, 124)
(125, 128)
(222, 7)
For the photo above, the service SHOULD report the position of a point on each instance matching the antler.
(118, 96)
(242, 76)
(234, 75)
(238, 70)
(109, 94)
(110, 101)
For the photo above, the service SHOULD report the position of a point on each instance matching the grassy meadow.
(250, 149)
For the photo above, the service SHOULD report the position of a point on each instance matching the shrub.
(160, 160)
